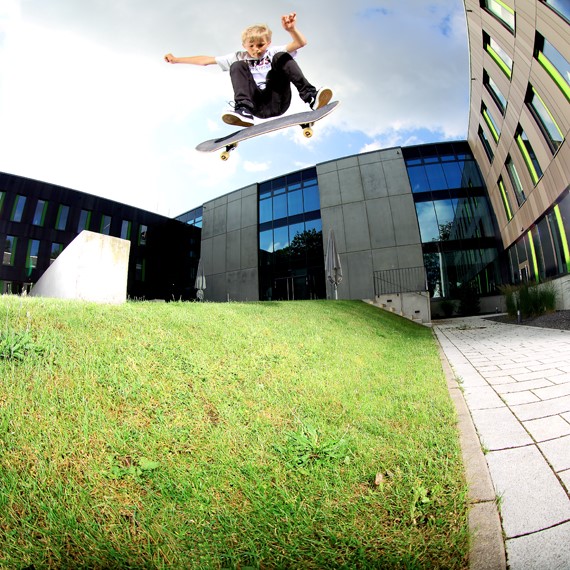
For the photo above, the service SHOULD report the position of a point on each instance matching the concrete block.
(557, 452)
(93, 267)
(499, 429)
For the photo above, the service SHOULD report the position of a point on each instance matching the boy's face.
(257, 48)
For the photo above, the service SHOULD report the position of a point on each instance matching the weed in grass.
(227, 435)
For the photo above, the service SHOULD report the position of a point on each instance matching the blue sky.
(87, 102)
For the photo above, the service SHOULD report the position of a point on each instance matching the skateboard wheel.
(225, 155)
(308, 132)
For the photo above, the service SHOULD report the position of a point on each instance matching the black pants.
(275, 99)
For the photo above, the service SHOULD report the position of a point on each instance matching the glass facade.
(456, 222)
(291, 262)
(543, 251)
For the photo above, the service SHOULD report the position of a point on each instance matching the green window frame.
(502, 12)
(105, 227)
(9, 252)
(84, 220)
(495, 92)
(56, 249)
(563, 236)
(529, 155)
(126, 229)
(2, 196)
(505, 198)
(498, 55)
(545, 119)
(554, 63)
(32, 255)
(40, 213)
(486, 144)
(18, 208)
(515, 180)
(62, 216)
(495, 131)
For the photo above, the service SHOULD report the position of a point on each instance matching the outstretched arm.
(289, 23)
(194, 59)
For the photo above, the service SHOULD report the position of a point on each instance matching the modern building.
(444, 220)
(519, 124)
(38, 220)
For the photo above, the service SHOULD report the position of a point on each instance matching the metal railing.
(407, 280)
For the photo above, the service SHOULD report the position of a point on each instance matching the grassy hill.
(261, 435)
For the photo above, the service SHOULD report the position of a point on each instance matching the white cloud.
(86, 100)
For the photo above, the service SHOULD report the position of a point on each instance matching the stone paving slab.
(542, 409)
(498, 428)
(482, 397)
(531, 497)
(547, 428)
(557, 452)
(546, 550)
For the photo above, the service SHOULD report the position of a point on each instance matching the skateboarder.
(262, 74)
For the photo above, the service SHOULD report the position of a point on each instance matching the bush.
(530, 300)
(469, 303)
(447, 307)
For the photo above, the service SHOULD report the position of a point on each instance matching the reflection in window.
(56, 249)
(84, 220)
(495, 131)
(498, 55)
(560, 6)
(32, 256)
(505, 198)
(529, 155)
(126, 229)
(62, 215)
(555, 64)
(486, 144)
(427, 221)
(495, 92)
(105, 228)
(18, 209)
(515, 181)
(40, 213)
(504, 13)
(142, 234)
(544, 119)
(9, 250)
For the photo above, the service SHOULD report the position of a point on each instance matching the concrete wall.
(367, 201)
(229, 246)
(93, 267)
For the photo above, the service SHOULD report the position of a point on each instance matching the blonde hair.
(256, 32)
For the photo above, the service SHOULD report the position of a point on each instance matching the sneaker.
(239, 116)
(322, 98)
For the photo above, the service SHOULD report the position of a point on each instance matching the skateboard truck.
(225, 155)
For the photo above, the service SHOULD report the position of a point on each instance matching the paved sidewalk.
(516, 384)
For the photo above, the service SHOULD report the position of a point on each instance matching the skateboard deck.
(305, 120)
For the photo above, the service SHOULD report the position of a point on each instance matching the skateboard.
(305, 120)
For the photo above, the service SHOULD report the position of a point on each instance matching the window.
(495, 131)
(505, 14)
(515, 181)
(486, 144)
(9, 250)
(2, 196)
(84, 220)
(142, 234)
(528, 154)
(32, 256)
(562, 7)
(62, 215)
(498, 55)
(544, 118)
(40, 213)
(495, 92)
(126, 230)
(555, 64)
(105, 227)
(56, 249)
(18, 209)
(505, 198)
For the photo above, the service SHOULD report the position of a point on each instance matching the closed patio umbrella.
(333, 268)
(200, 282)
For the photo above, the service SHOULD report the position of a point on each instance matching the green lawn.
(261, 435)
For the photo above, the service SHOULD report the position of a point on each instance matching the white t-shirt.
(259, 67)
